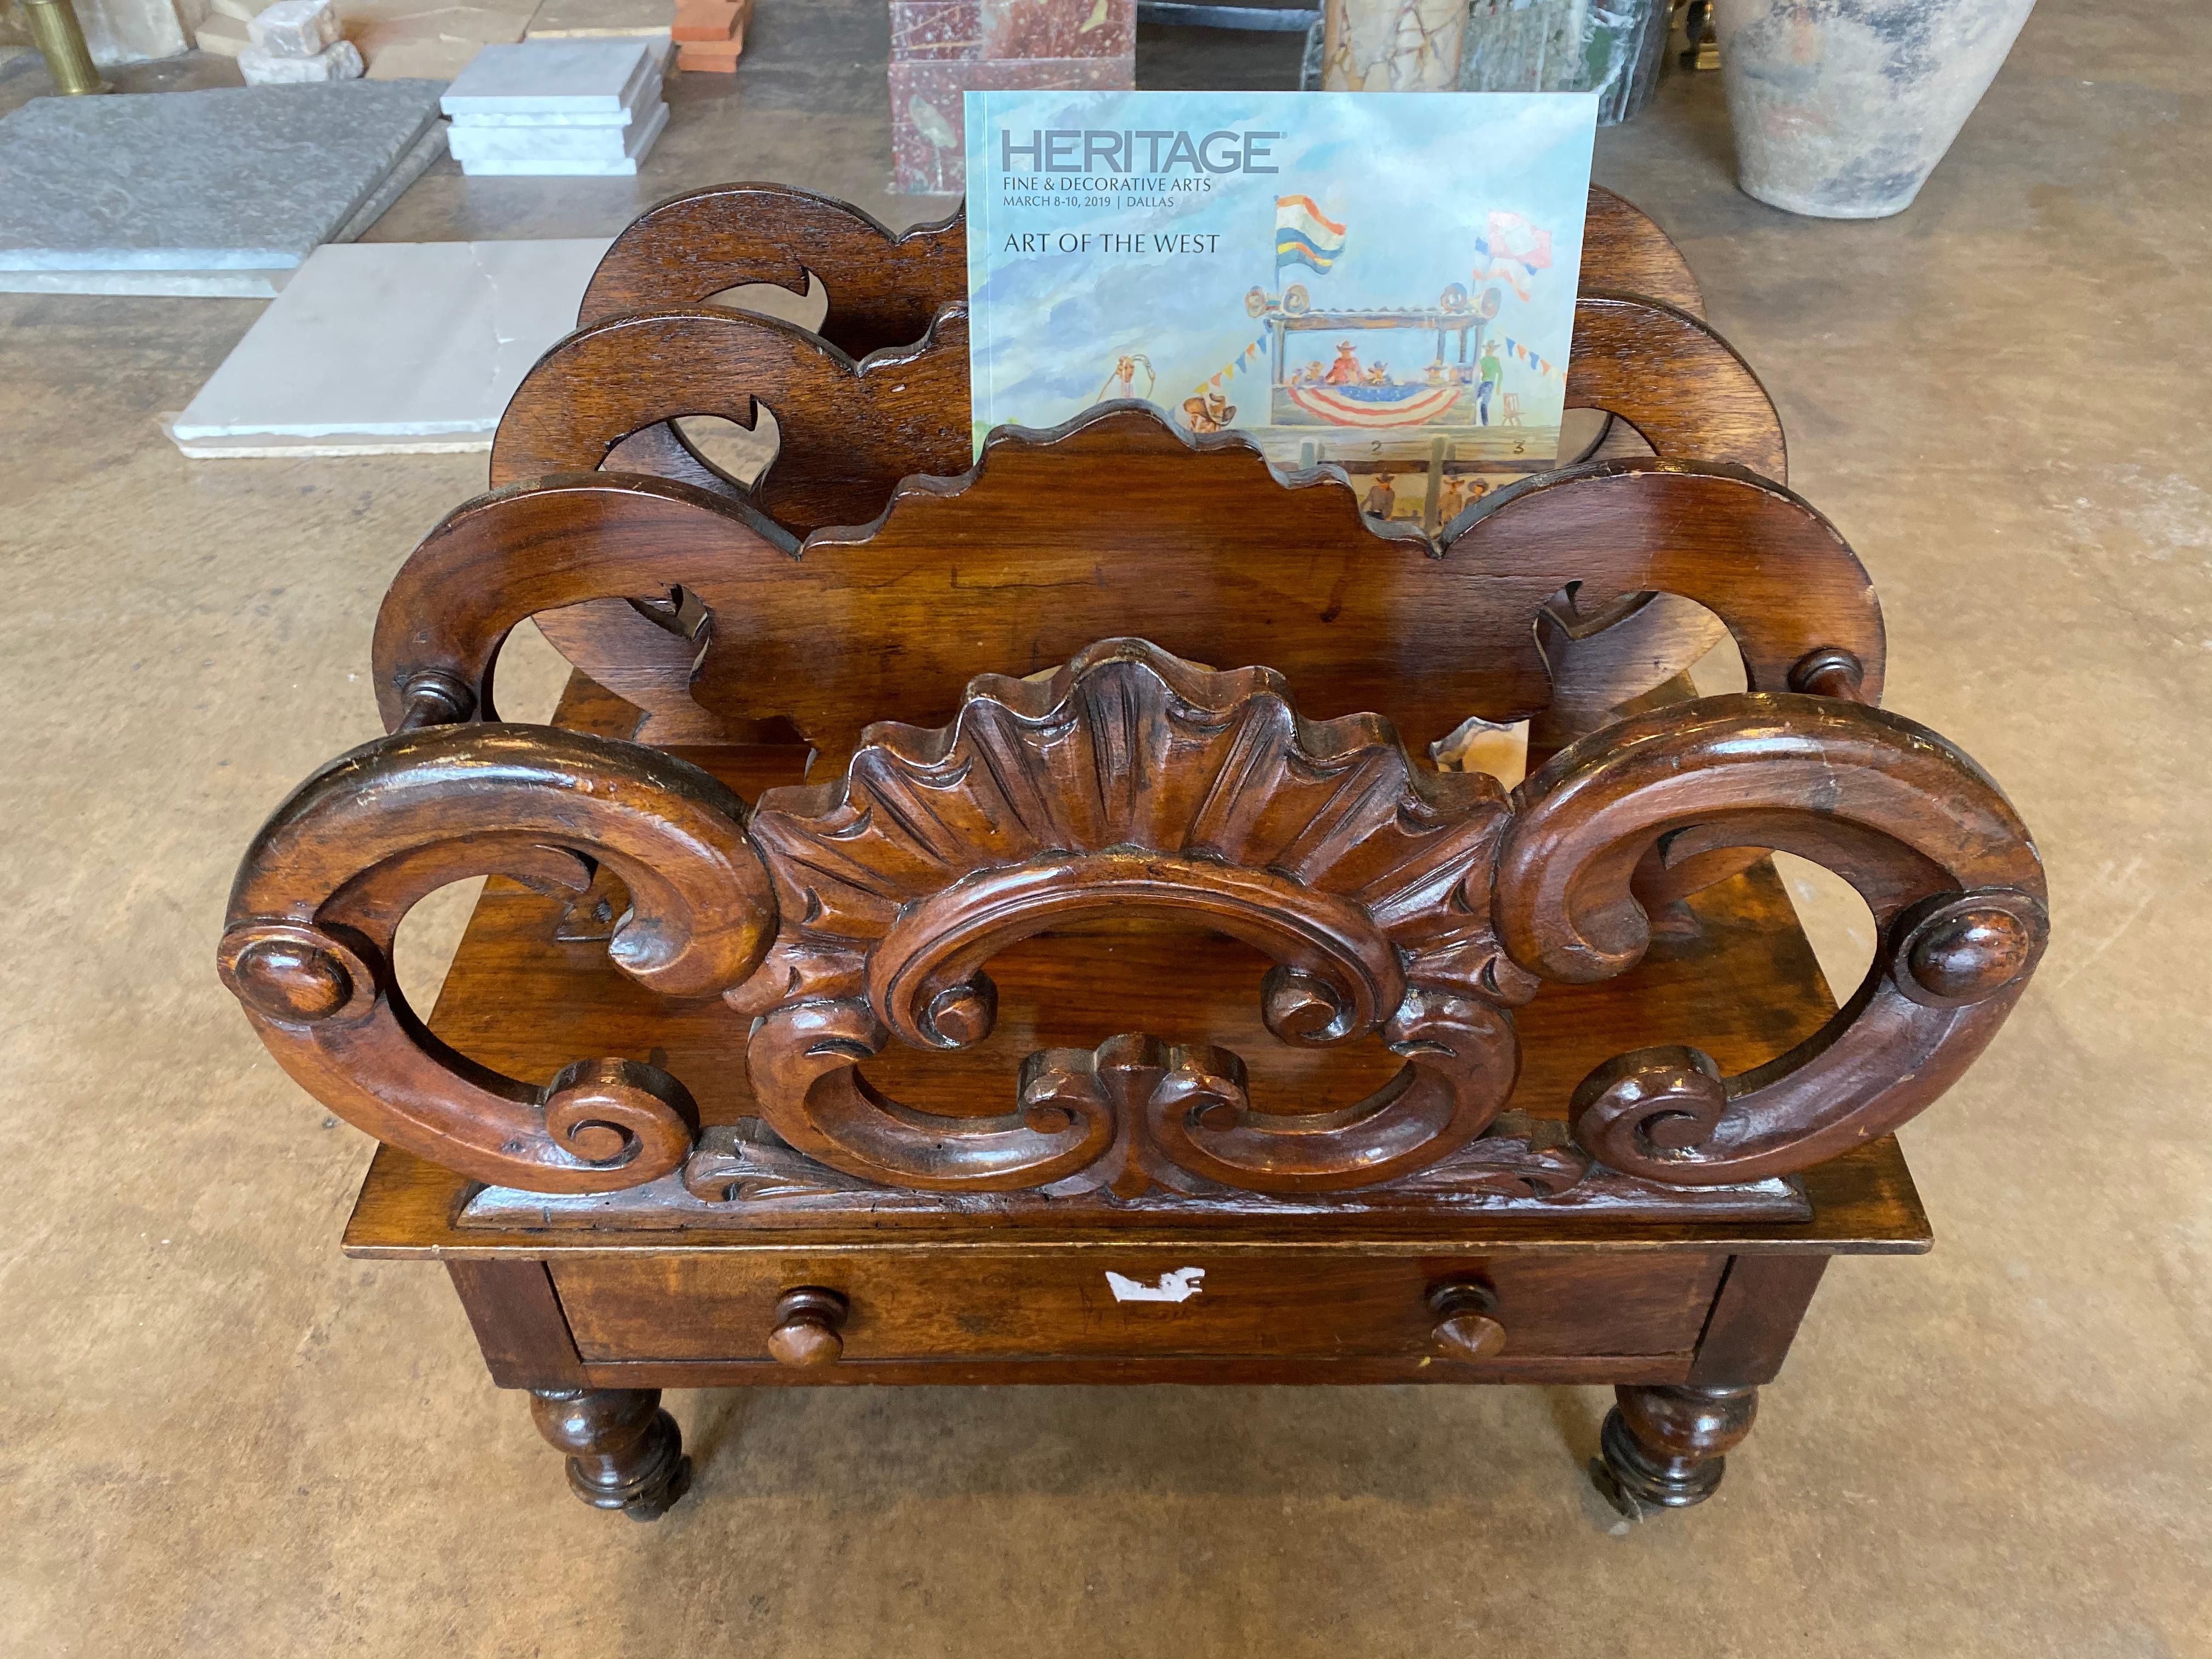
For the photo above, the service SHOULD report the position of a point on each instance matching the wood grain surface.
(1040, 1304)
(1117, 524)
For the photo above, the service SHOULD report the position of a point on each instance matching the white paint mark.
(1180, 1285)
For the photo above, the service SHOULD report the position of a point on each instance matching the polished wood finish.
(1136, 787)
(1226, 1371)
(806, 1327)
(319, 899)
(517, 1317)
(1666, 1447)
(1055, 1304)
(1211, 557)
(1755, 1316)
(1131, 785)
(1678, 384)
(1467, 1312)
(1937, 853)
(625, 1452)
(885, 291)
(603, 398)
(1623, 249)
(848, 429)
(884, 286)
(1009, 926)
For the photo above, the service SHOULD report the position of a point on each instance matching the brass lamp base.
(61, 41)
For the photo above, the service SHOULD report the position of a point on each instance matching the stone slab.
(540, 120)
(587, 20)
(936, 28)
(232, 284)
(391, 346)
(247, 179)
(341, 61)
(151, 284)
(1044, 29)
(927, 157)
(514, 143)
(640, 137)
(409, 167)
(296, 28)
(552, 76)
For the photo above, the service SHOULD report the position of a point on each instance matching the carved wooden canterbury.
(1092, 776)
(1398, 905)
(1072, 628)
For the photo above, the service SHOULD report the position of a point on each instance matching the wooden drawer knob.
(807, 1323)
(1466, 1328)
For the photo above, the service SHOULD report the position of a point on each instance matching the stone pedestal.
(1392, 45)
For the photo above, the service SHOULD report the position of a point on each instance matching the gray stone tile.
(247, 179)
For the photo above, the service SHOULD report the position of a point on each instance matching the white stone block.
(542, 144)
(553, 77)
(648, 97)
(391, 346)
(296, 28)
(638, 139)
(263, 69)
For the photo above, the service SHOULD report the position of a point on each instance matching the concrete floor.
(218, 1437)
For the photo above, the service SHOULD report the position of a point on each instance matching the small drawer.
(1136, 1303)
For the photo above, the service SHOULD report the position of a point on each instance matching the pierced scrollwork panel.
(320, 897)
(1942, 860)
(1133, 784)
(1408, 907)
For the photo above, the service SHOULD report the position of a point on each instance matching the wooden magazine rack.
(1006, 941)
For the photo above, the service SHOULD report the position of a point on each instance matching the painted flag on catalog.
(1513, 249)
(1304, 235)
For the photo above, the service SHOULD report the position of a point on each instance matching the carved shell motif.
(1133, 783)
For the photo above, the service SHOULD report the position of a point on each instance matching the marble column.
(1392, 45)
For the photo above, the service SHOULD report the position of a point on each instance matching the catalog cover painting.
(1384, 280)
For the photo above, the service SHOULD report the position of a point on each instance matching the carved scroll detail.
(849, 429)
(320, 895)
(1133, 784)
(884, 286)
(1937, 853)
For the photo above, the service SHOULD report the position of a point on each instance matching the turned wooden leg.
(625, 1452)
(1664, 1447)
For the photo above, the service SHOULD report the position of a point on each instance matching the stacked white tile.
(564, 106)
